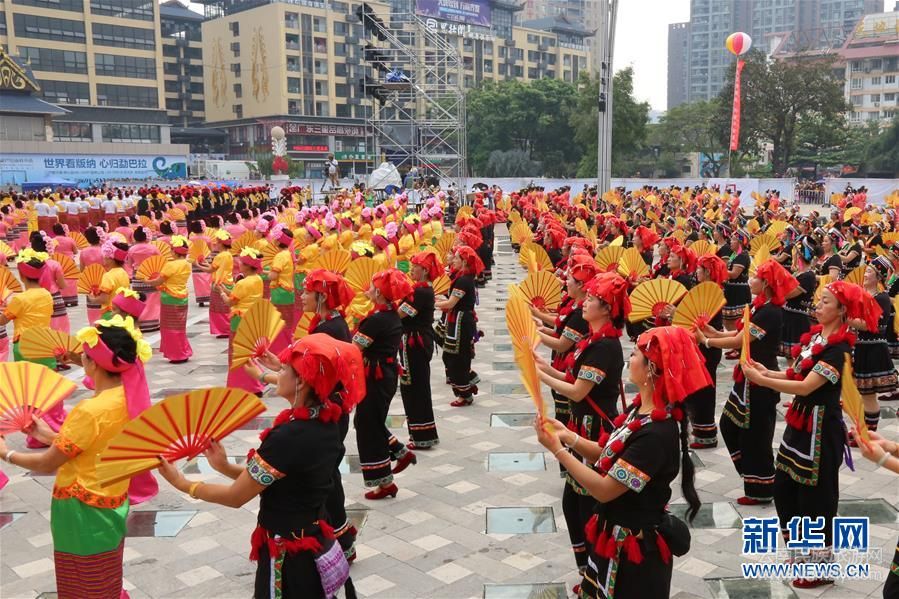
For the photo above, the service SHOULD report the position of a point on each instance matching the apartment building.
(182, 64)
(100, 61)
(871, 58)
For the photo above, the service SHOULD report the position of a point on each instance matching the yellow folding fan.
(28, 389)
(699, 306)
(650, 297)
(257, 329)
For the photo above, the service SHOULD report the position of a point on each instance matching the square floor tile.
(502, 346)
(523, 561)
(502, 331)
(7, 518)
(512, 419)
(350, 465)
(887, 412)
(201, 465)
(747, 588)
(719, 514)
(462, 487)
(515, 462)
(543, 590)
(504, 366)
(697, 461)
(373, 584)
(449, 573)
(431, 542)
(358, 517)
(209, 368)
(396, 421)
(520, 520)
(508, 389)
(158, 523)
(877, 510)
(257, 424)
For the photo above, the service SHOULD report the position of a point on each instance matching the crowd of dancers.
(349, 343)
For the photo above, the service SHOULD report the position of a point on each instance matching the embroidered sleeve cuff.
(756, 331)
(66, 446)
(361, 340)
(458, 293)
(408, 310)
(572, 335)
(261, 471)
(827, 371)
(631, 477)
(589, 373)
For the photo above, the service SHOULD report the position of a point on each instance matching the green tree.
(694, 127)
(533, 118)
(775, 96)
(883, 152)
(511, 163)
(629, 121)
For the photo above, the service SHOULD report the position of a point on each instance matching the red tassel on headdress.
(632, 549)
(664, 550)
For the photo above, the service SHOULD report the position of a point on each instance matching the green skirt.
(18, 357)
(81, 529)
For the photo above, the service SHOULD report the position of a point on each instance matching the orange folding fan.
(650, 297)
(8, 284)
(631, 265)
(5, 250)
(444, 245)
(28, 389)
(699, 306)
(80, 240)
(198, 250)
(608, 257)
(179, 426)
(255, 333)
(856, 275)
(38, 343)
(90, 278)
(523, 332)
(246, 239)
(852, 400)
(441, 285)
(542, 290)
(165, 250)
(150, 268)
(69, 268)
(703, 248)
(302, 328)
(336, 261)
(747, 338)
(360, 273)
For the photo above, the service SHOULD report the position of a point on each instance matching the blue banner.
(86, 170)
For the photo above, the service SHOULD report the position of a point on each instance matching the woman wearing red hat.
(380, 336)
(644, 240)
(682, 265)
(810, 455)
(417, 313)
(458, 325)
(748, 418)
(631, 537)
(292, 471)
(591, 381)
(327, 294)
(701, 405)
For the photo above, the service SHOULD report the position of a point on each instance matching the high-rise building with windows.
(182, 63)
(100, 61)
(808, 22)
(678, 44)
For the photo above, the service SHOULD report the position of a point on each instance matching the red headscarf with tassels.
(858, 303)
(680, 366)
(611, 288)
(715, 266)
(779, 281)
(323, 361)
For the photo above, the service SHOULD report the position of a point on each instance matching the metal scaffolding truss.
(418, 121)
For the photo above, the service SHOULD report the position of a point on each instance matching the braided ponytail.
(688, 471)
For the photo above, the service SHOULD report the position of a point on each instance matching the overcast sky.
(641, 40)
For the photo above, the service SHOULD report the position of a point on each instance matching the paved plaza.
(480, 512)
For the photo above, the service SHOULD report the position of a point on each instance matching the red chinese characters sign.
(344, 130)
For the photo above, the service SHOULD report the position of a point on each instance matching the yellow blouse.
(282, 271)
(176, 273)
(223, 266)
(31, 308)
(113, 279)
(84, 434)
(246, 291)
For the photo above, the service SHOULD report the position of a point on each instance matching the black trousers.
(750, 448)
(336, 500)
(578, 509)
(376, 445)
(416, 394)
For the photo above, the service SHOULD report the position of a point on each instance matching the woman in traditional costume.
(417, 314)
(115, 253)
(66, 246)
(137, 253)
(87, 521)
(200, 277)
(736, 287)
(458, 326)
(280, 278)
(53, 280)
(92, 254)
(591, 381)
(380, 336)
(810, 455)
(292, 472)
(173, 299)
(631, 536)
(221, 272)
(799, 306)
(246, 291)
(748, 418)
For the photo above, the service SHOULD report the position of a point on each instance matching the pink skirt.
(70, 292)
(149, 318)
(143, 487)
(4, 346)
(202, 286)
(285, 337)
(173, 333)
(219, 321)
(59, 321)
(3, 479)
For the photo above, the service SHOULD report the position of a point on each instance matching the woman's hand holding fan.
(28, 390)
(523, 332)
(852, 402)
(257, 329)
